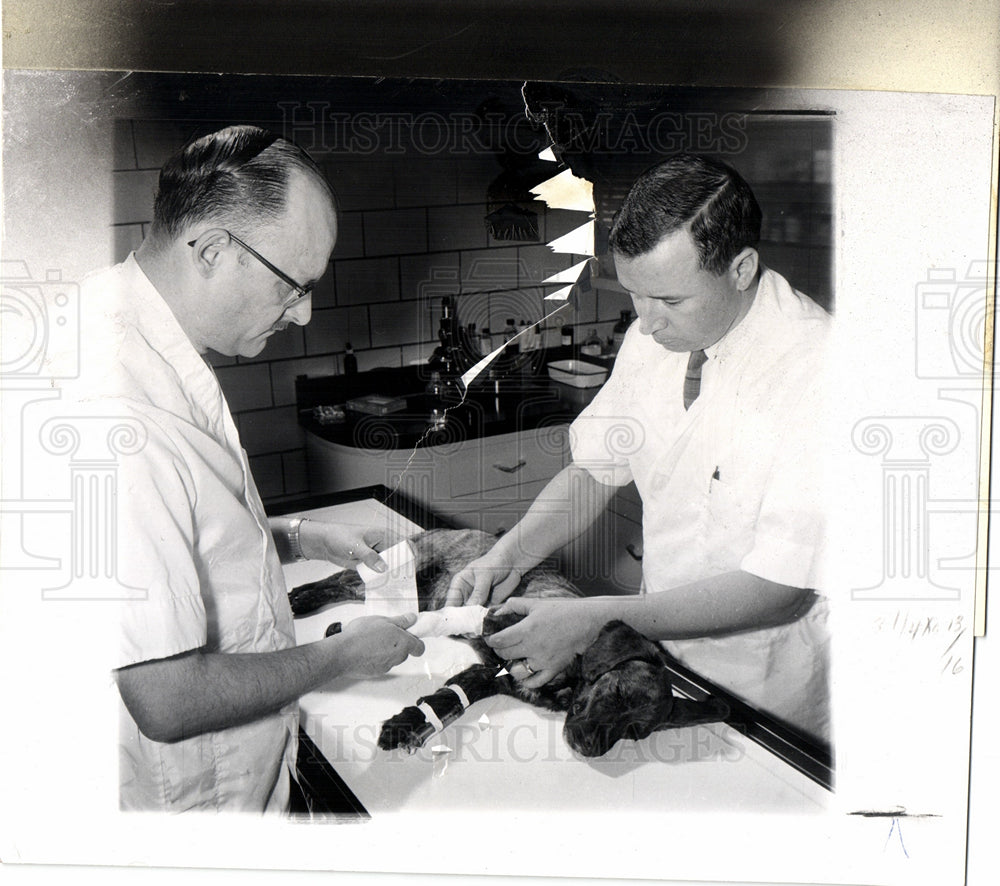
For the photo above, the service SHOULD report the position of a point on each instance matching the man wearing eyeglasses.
(208, 671)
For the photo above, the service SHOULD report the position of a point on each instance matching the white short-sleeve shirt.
(733, 483)
(194, 540)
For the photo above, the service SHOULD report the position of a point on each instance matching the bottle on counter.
(618, 333)
(433, 388)
(537, 336)
(474, 347)
(509, 334)
(447, 335)
(592, 345)
(450, 392)
(350, 361)
(567, 337)
(527, 338)
(532, 340)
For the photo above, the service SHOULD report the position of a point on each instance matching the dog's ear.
(616, 643)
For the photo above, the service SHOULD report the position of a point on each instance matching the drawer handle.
(633, 553)
(513, 469)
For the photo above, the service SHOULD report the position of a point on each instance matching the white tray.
(577, 373)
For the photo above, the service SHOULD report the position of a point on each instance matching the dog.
(619, 688)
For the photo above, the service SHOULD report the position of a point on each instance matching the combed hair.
(705, 196)
(240, 173)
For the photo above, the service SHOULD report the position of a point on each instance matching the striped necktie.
(692, 380)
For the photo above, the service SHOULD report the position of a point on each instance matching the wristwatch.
(294, 542)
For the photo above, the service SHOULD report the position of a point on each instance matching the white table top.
(503, 754)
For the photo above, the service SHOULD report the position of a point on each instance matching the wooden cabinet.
(489, 484)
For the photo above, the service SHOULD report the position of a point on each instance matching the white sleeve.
(166, 614)
(605, 434)
(791, 525)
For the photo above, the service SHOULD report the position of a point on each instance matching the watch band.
(294, 542)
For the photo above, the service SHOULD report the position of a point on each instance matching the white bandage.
(393, 592)
(451, 621)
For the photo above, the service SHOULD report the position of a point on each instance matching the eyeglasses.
(300, 291)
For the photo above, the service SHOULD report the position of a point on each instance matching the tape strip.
(430, 716)
(460, 692)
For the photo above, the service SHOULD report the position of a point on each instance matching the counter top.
(508, 405)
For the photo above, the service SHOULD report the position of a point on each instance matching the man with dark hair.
(711, 411)
(714, 199)
(208, 671)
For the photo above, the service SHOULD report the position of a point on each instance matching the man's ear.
(207, 250)
(744, 267)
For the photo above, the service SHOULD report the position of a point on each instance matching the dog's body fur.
(617, 689)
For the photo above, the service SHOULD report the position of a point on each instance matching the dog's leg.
(413, 725)
(344, 586)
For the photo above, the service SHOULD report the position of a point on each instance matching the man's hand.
(344, 545)
(548, 639)
(374, 645)
(195, 692)
(565, 508)
(494, 571)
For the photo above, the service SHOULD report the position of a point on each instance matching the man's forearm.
(174, 698)
(722, 604)
(279, 532)
(563, 510)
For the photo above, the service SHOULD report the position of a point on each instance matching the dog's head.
(624, 691)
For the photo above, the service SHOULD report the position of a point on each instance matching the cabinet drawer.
(509, 461)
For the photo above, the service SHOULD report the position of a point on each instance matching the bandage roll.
(451, 621)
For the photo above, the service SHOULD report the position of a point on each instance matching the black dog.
(619, 688)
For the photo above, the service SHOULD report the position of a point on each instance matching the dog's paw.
(408, 730)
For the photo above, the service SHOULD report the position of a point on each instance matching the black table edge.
(800, 751)
(398, 501)
(322, 794)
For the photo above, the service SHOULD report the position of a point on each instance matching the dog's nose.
(589, 739)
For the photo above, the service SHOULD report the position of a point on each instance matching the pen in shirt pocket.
(715, 476)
